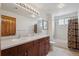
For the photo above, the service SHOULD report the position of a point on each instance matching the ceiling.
(43, 8)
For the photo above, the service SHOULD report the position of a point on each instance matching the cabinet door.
(9, 52)
(36, 47)
(4, 28)
(42, 48)
(29, 48)
(21, 50)
(25, 49)
(47, 45)
(8, 26)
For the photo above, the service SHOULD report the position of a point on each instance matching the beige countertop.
(8, 43)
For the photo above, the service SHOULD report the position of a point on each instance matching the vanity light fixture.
(28, 8)
(61, 5)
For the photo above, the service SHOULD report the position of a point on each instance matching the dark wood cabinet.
(29, 49)
(39, 47)
(36, 47)
(47, 45)
(21, 50)
(9, 52)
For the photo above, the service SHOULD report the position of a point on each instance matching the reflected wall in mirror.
(8, 25)
(43, 24)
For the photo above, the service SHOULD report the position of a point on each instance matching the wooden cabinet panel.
(29, 48)
(42, 47)
(8, 26)
(9, 52)
(36, 47)
(21, 50)
(4, 27)
(47, 45)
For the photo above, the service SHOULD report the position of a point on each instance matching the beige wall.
(49, 18)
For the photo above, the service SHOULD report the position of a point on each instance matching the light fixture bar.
(28, 8)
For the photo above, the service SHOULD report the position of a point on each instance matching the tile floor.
(59, 51)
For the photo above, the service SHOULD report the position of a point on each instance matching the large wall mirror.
(8, 25)
(43, 24)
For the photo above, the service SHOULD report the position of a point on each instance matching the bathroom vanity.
(37, 45)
